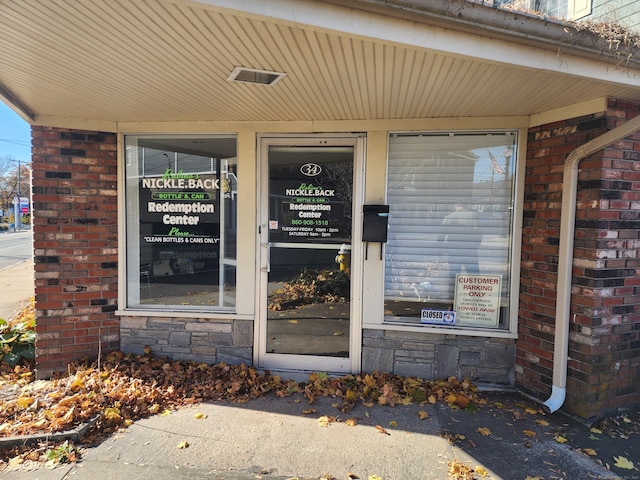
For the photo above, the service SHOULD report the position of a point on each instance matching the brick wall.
(604, 346)
(75, 245)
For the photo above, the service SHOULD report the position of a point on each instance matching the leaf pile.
(388, 389)
(128, 387)
(310, 287)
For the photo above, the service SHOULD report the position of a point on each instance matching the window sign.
(477, 299)
(312, 200)
(439, 317)
(181, 211)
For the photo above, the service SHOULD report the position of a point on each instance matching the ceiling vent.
(251, 75)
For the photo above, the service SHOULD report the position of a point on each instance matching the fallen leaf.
(308, 411)
(352, 476)
(325, 420)
(531, 411)
(183, 444)
(25, 402)
(15, 461)
(422, 415)
(451, 398)
(112, 414)
(560, 439)
(350, 422)
(382, 430)
(165, 413)
(529, 433)
(200, 416)
(596, 430)
(459, 470)
(351, 396)
(542, 422)
(622, 462)
(480, 470)
(589, 451)
(374, 477)
(293, 321)
(484, 431)
(388, 397)
(393, 423)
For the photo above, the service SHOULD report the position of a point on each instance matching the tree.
(15, 179)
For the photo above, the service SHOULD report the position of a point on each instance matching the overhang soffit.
(168, 61)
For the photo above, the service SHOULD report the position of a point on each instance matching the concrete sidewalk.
(282, 438)
(16, 288)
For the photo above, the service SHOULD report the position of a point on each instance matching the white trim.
(131, 296)
(514, 254)
(596, 105)
(122, 221)
(467, 332)
(262, 359)
(182, 314)
(516, 239)
(145, 128)
(329, 127)
(247, 221)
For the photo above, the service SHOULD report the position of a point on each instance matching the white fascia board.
(329, 17)
(589, 107)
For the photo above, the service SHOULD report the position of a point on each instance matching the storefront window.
(448, 255)
(181, 210)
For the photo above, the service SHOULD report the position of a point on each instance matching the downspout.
(565, 255)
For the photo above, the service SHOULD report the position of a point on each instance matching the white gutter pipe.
(565, 255)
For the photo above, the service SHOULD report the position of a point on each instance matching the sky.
(15, 135)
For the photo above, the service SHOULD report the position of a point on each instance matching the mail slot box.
(375, 223)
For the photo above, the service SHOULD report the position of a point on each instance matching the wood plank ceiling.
(157, 60)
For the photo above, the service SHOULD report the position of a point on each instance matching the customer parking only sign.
(477, 300)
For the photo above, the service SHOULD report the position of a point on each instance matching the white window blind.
(450, 198)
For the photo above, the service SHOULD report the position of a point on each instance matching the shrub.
(18, 338)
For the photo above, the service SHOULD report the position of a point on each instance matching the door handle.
(267, 255)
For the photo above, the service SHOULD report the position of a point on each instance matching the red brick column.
(75, 245)
(604, 346)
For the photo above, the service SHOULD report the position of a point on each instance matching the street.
(15, 247)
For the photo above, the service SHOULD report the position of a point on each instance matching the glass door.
(306, 249)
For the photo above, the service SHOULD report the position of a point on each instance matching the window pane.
(451, 199)
(181, 221)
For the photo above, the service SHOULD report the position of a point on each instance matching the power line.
(16, 142)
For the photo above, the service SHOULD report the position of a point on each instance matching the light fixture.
(252, 75)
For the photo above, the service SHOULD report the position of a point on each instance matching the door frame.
(309, 363)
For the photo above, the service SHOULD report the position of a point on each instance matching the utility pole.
(17, 210)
